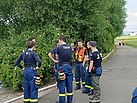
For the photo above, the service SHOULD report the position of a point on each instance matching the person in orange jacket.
(80, 53)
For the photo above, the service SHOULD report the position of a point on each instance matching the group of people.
(88, 70)
(122, 42)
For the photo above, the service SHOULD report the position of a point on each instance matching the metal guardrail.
(108, 54)
(45, 88)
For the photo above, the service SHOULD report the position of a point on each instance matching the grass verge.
(106, 59)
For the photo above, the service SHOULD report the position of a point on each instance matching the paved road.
(117, 84)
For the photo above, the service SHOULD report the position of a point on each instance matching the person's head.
(32, 39)
(80, 43)
(31, 45)
(62, 39)
(92, 44)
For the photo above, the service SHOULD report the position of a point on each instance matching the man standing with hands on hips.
(31, 78)
(65, 75)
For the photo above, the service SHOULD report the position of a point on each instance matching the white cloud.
(135, 14)
(131, 21)
(132, 14)
(128, 13)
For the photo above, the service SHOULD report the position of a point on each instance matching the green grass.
(132, 43)
(129, 40)
(126, 38)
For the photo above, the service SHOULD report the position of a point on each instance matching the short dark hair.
(62, 38)
(31, 38)
(30, 44)
(80, 40)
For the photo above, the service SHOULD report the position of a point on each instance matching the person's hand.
(37, 68)
(55, 70)
(72, 45)
(23, 68)
(83, 65)
(55, 61)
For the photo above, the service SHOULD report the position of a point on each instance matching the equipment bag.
(37, 79)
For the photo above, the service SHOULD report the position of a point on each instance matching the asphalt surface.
(118, 80)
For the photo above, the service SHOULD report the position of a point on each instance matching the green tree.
(99, 20)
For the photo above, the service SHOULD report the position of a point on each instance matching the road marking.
(105, 70)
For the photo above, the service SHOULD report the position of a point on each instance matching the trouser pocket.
(99, 71)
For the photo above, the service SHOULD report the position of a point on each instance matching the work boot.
(94, 101)
(91, 97)
(77, 88)
(94, 98)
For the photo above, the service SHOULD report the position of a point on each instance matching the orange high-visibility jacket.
(80, 54)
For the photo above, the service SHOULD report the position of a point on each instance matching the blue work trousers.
(88, 84)
(30, 88)
(66, 86)
(80, 74)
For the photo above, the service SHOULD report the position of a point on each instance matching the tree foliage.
(99, 20)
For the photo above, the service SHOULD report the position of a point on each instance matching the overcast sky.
(131, 24)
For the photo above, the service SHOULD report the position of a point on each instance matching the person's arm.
(91, 65)
(18, 62)
(84, 61)
(51, 57)
(92, 57)
(57, 52)
(85, 58)
(37, 58)
(72, 46)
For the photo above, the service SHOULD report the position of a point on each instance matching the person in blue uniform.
(88, 84)
(30, 59)
(55, 65)
(134, 96)
(95, 68)
(65, 82)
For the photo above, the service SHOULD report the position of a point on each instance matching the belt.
(65, 64)
(33, 68)
(79, 62)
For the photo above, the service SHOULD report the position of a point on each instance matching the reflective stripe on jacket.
(80, 54)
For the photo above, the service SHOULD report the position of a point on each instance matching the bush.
(12, 47)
